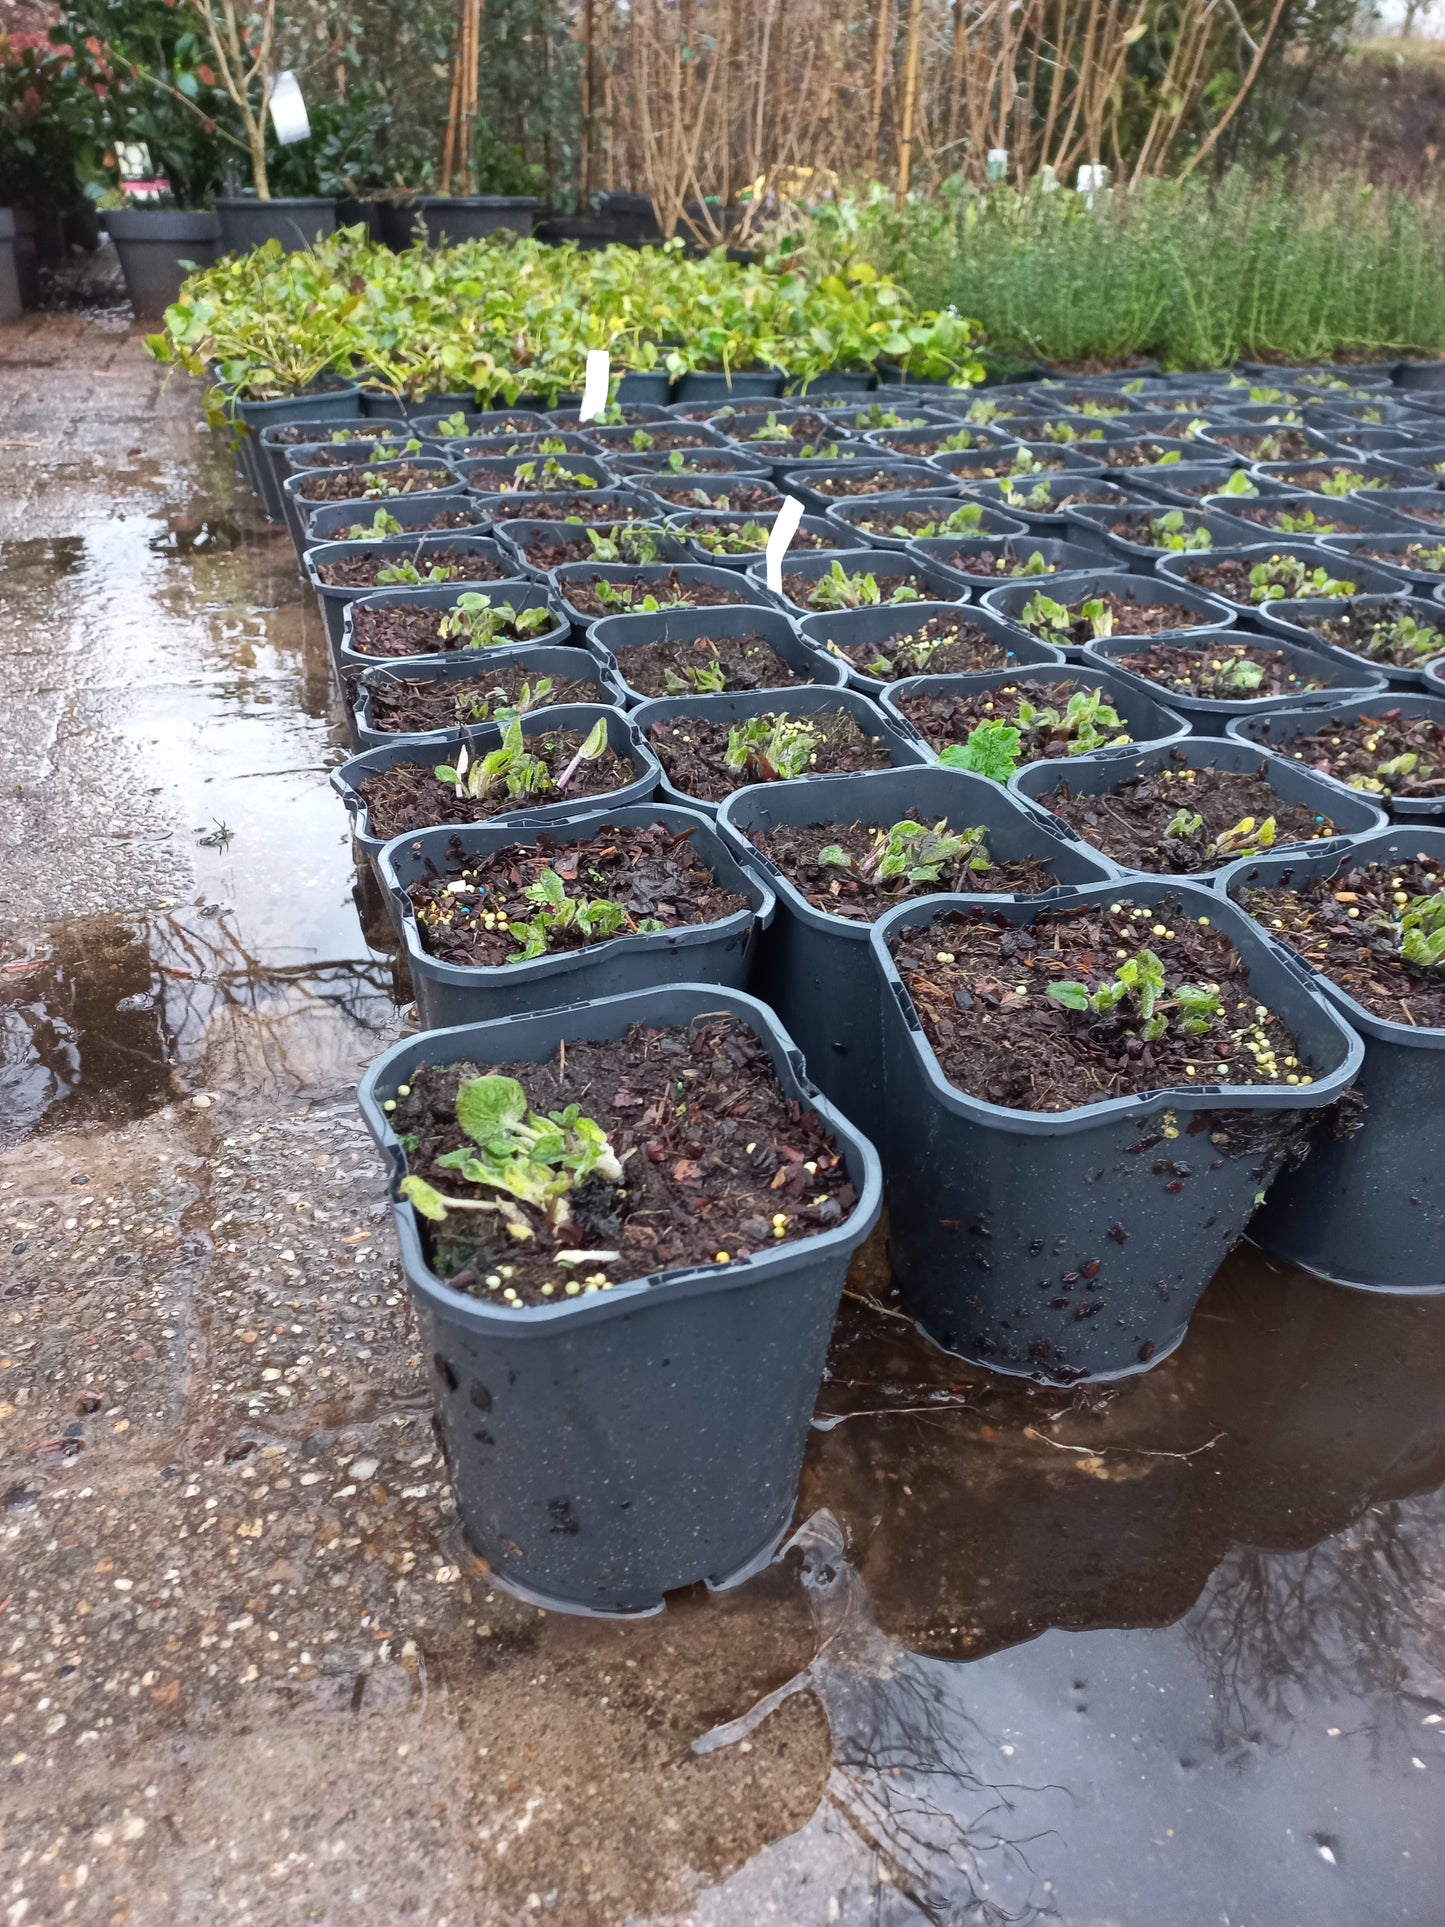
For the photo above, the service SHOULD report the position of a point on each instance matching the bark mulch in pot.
(456, 565)
(666, 592)
(632, 546)
(867, 481)
(464, 518)
(746, 498)
(693, 667)
(855, 892)
(692, 749)
(409, 796)
(1003, 562)
(472, 912)
(1388, 633)
(1346, 927)
(1386, 754)
(406, 631)
(1127, 618)
(981, 990)
(943, 718)
(351, 484)
(1131, 824)
(707, 1162)
(1223, 671)
(938, 647)
(416, 708)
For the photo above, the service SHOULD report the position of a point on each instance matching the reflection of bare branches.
(1331, 1621)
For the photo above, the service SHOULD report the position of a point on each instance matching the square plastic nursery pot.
(699, 465)
(941, 585)
(668, 495)
(1384, 546)
(833, 631)
(965, 469)
(683, 524)
(814, 969)
(609, 1449)
(1366, 1207)
(696, 574)
(561, 662)
(1282, 729)
(478, 559)
(328, 400)
(1351, 813)
(1297, 621)
(716, 384)
(500, 474)
(1403, 509)
(1145, 720)
(384, 404)
(487, 422)
(811, 482)
(523, 445)
(1006, 1226)
(295, 506)
(623, 738)
(1185, 484)
(1098, 522)
(1380, 471)
(1346, 515)
(785, 459)
(802, 699)
(516, 533)
(275, 443)
(522, 592)
(714, 953)
(1054, 521)
(1009, 598)
(1177, 568)
(1210, 715)
(614, 638)
(846, 519)
(1061, 558)
(919, 444)
(331, 521)
(595, 506)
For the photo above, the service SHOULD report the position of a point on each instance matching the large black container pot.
(1366, 1209)
(707, 384)
(1280, 730)
(611, 1448)
(1211, 715)
(561, 661)
(1004, 1225)
(422, 550)
(157, 249)
(713, 953)
(814, 969)
(441, 220)
(247, 222)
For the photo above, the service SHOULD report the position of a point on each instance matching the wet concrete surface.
(1160, 1655)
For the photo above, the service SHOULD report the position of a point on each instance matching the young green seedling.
(510, 767)
(452, 426)
(963, 521)
(1287, 578)
(748, 538)
(1418, 931)
(910, 853)
(1135, 998)
(1167, 531)
(771, 748)
(839, 590)
(991, 750)
(483, 624)
(634, 598)
(382, 524)
(625, 542)
(549, 474)
(1405, 641)
(696, 679)
(1087, 723)
(496, 706)
(410, 575)
(1239, 484)
(1244, 838)
(1046, 617)
(594, 917)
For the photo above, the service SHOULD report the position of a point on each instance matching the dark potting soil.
(1344, 926)
(1293, 520)
(649, 438)
(913, 523)
(861, 898)
(446, 519)
(1434, 516)
(1377, 634)
(650, 873)
(747, 662)
(1428, 558)
(1331, 478)
(1131, 454)
(1130, 618)
(300, 432)
(865, 481)
(816, 592)
(747, 498)
(980, 988)
(573, 508)
(351, 484)
(1212, 670)
(405, 631)
(408, 796)
(1267, 444)
(717, 1164)
(691, 750)
(740, 537)
(542, 554)
(1360, 752)
(803, 428)
(1005, 561)
(1130, 823)
(414, 708)
(365, 571)
(943, 719)
(668, 592)
(938, 647)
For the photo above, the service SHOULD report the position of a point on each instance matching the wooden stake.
(584, 163)
(454, 104)
(880, 64)
(910, 99)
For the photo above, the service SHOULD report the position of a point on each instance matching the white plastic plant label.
(784, 529)
(595, 385)
(998, 163)
(288, 110)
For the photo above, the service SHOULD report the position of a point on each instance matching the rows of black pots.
(608, 1448)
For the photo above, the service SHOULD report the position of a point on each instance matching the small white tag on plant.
(784, 529)
(596, 384)
(288, 110)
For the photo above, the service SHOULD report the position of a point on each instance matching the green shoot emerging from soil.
(409, 574)
(512, 768)
(1244, 838)
(1287, 578)
(550, 474)
(1135, 998)
(1239, 484)
(1167, 531)
(594, 917)
(383, 523)
(1045, 617)
(625, 542)
(992, 750)
(494, 705)
(536, 1160)
(696, 679)
(629, 598)
(1404, 642)
(771, 748)
(751, 538)
(452, 426)
(910, 853)
(1418, 930)
(839, 590)
(963, 521)
(483, 624)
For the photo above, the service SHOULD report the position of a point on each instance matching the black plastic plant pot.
(1009, 599)
(706, 384)
(442, 220)
(1351, 813)
(1353, 513)
(421, 550)
(1314, 555)
(608, 1449)
(1297, 621)
(521, 592)
(1210, 715)
(1281, 730)
(713, 953)
(799, 699)
(157, 248)
(296, 507)
(614, 638)
(622, 735)
(561, 661)
(1415, 375)
(1061, 558)
(710, 488)
(963, 466)
(329, 400)
(516, 533)
(815, 969)
(1380, 471)
(786, 459)
(1367, 1209)
(479, 426)
(682, 523)
(524, 445)
(332, 521)
(696, 574)
(1421, 465)
(1007, 1228)
(247, 223)
(846, 519)
(1145, 719)
(1185, 484)
(276, 442)
(832, 631)
(942, 585)
(1403, 508)
(896, 478)
(1128, 552)
(918, 444)
(386, 405)
(1393, 543)
(1434, 677)
(593, 505)
(699, 465)
(500, 474)
(1051, 520)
